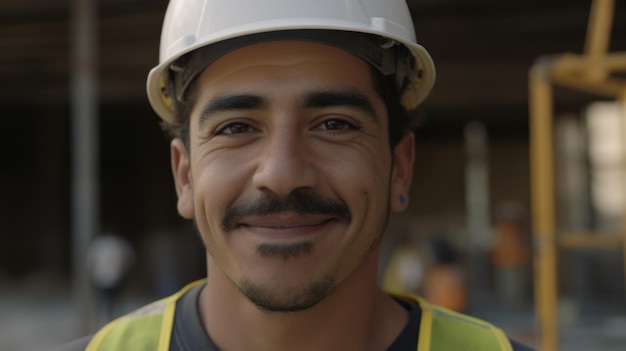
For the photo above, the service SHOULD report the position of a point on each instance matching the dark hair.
(400, 120)
(180, 127)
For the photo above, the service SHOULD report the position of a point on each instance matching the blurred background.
(84, 157)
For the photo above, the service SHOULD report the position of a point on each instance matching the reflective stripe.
(503, 339)
(168, 319)
(96, 341)
(426, 326)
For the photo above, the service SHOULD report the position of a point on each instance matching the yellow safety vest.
(150, 328)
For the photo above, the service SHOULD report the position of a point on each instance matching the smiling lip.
(285, 225)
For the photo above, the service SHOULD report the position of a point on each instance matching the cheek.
(217, 184)
(372, 169)
(364, 181)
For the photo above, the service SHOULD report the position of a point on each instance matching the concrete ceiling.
(482, 48)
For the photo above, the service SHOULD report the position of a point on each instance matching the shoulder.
(140, 329)
(76, 345)
(442, 329)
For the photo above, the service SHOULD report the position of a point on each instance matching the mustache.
(299, 201)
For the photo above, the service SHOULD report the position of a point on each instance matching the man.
(291, 146)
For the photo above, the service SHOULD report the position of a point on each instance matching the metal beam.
(85, 182)
(543, 205)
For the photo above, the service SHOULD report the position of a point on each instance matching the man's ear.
(402, 172)
(182, 178)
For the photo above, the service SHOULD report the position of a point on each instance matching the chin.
(287, 299)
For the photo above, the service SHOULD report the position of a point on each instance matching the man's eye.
(337, 124)
(235, 128)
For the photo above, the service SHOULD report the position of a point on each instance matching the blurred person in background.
(292, 143)
(444, 281)
(510, 255)
(404, 273)
(110, 259)
(430, 269)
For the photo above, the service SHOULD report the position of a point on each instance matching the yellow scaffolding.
(589, 72)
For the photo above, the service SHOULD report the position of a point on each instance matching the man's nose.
(284, 164)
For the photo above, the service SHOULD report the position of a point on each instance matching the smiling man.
(292, 144)
(293, 137)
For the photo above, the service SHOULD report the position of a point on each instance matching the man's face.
(289, 173)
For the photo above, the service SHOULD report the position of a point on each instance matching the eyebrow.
(232, 102)
(333, 98)
(316, 99)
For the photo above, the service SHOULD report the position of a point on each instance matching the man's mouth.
(286, 220)
(285, 225)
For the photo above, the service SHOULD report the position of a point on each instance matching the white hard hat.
(190, 26)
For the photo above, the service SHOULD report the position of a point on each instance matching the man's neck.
(355, 316)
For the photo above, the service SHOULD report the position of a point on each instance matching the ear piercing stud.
(402, 199)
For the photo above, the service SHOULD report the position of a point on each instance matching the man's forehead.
(283, 53)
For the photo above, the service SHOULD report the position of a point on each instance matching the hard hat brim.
(158, 80)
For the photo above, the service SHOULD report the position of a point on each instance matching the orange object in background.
(431, 270)
(510, 249)
(511, 259)
(444, 282)
(444, 286)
